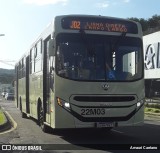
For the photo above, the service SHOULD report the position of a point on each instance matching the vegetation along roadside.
(152, 108)
(2, 117)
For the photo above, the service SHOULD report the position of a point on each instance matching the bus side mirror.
(51, 48)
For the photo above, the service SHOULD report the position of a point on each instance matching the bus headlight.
(63, 103)
(139, 103)
(67, 105)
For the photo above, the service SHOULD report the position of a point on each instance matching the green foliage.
(154, 105)
(6, 76)
(148, 109)
(152, 108)
(157, 111)
(154, 21)
(2, 117)
(149, 25)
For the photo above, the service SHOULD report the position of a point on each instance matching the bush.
(157, 111)
(148, 109)
(152, 105)
(152, 110)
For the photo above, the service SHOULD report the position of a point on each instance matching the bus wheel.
(23, 115)
(41, 119)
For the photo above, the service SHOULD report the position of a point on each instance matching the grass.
(152, 110)
(2, 117)
(154, 105)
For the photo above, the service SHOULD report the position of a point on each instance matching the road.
(28, 132)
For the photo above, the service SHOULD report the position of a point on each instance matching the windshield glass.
(99, 58)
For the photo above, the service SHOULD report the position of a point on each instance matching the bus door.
(16, 86)
(50, 89)
(46, 82)
(27, 85)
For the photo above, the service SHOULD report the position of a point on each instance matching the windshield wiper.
(123, 34)
(83, 35)
(89, 47)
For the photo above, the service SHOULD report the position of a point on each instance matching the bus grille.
(104, 98)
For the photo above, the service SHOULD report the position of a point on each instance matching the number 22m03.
(91, 111)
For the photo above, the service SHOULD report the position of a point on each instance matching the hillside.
(6, 76)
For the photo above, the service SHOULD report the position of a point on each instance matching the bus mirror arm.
(51, 48)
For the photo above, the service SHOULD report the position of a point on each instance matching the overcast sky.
(23, 20)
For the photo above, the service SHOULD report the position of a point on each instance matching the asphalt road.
(28, 132)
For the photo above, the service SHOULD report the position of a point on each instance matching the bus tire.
(41, 118)
(23, 115)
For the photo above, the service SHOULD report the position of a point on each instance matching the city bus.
(83, 71)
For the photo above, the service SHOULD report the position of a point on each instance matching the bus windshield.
(99, 57)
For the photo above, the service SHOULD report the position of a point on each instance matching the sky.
(22, 21)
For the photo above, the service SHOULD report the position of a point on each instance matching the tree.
(154, 21)
(144, 24)
(150, 25)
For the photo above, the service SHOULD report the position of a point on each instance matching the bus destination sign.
(99, 24)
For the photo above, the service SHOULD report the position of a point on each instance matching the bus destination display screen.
(99, 24)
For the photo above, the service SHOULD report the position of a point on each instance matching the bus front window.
(95, 59)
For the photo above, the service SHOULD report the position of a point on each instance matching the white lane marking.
(118, 131)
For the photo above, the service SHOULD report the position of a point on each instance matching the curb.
(11, 120)
(157, 115)
(6, 125)
(9, 124)
(151, 116)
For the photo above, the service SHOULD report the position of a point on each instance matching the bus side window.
(19, 70)
(51, 65)
(51, 68)
(38, 56)
(23, 66)
(32, 66)
(30, 59)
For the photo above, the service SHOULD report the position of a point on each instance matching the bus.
(83, 71)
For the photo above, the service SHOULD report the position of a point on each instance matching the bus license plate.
(93, 112)
(105, 124)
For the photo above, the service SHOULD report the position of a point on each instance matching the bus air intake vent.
(104, 98)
